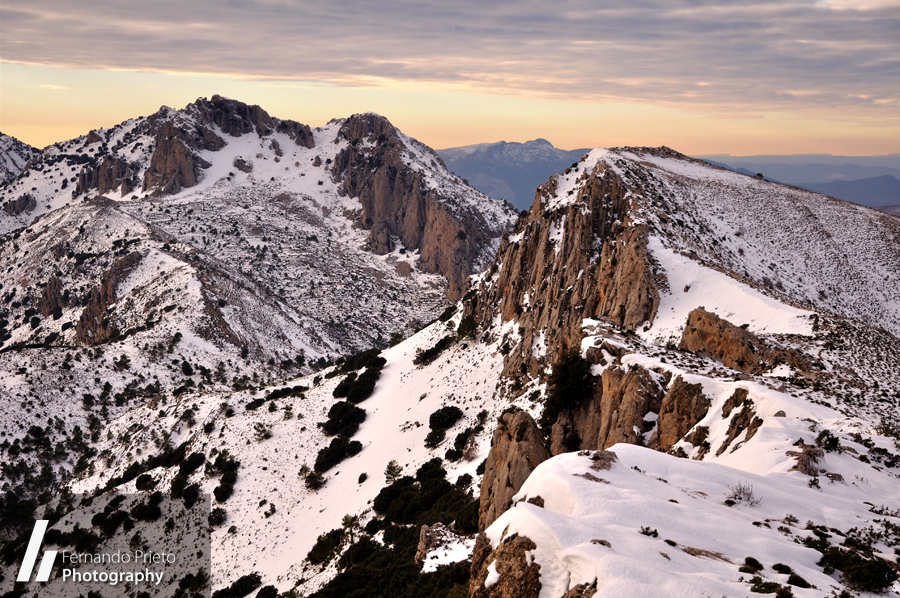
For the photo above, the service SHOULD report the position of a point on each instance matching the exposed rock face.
(807, 458)
(517, 447)
(173, 166)
(735, 347)
(51, 299)
(398, 203)
(617, 406)
(583, 260)
(94, 326)
(683, 406)
(745, 419)
(108, 174)
(236, 118)
(519, 577)
(24, 203)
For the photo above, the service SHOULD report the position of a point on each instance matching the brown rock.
(519, 578)
(745, 419)
(735, 400)
(431, 537)
(108, 174)
(517, 447)
(735, 347)
(397, 203)
(173, 166)
(564, 278)
(617, 406)
(242, 165)
(94, 326)
(51, 299)
(683, 406)
(24, 203)
(583, 590)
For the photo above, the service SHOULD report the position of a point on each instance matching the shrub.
(324, 548)
(392, 471)
(314, 480)
(217, 516)
(467, 327)
(362, 478)
(752, 562)
(334, 453)
(340, 391)
(427, 356)
(343, 419)
(145, 482)
(447, 314)
(444, 418)
(827, 441)
(782, 568)
(743, 493)
(364, 386)
(567, 387)
(796, 580)
(434, 438)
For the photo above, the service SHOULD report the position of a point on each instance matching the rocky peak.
(578, 253)
(394, 178)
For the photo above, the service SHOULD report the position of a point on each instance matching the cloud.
(53, 87)
(745, 54)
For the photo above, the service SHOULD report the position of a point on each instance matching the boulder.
(505, 572)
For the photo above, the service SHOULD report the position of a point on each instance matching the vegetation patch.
(567, 387)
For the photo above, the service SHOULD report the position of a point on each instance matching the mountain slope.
(14, 155)
(649, 305)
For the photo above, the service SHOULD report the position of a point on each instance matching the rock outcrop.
(94, 325)
(517, 447)
(617, 407)
(735, 347)
(173, 165)
(51, 299)
(23, 203)
(108, 174)
(683, 406)
(504, 572)
(586, 259)
(398, 203)
(745, 419)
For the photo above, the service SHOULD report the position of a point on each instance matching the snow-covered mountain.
(14, 155)
(509, 170)
(671, 380)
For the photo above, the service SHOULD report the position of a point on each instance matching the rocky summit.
(663, 379)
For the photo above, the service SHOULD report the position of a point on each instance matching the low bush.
(428, 355)
(344, 419)
(334, 453)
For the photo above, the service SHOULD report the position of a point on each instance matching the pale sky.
(739, 77)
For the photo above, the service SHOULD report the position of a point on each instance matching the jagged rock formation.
(745, 419)
(617, 407)
(94, 326)
(581, 257)
(735, 347)
(515, 575)
(517, 447)
(398, 202)
(683, 406)
(109, 174)
(51, 300)
(24, 203)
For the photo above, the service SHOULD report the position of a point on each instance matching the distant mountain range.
(509, 171)
(512, 170)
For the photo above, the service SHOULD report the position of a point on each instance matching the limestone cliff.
(566, 261)
(380, 167)
(517, 447)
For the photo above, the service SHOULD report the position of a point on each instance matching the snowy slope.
(14, 155)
